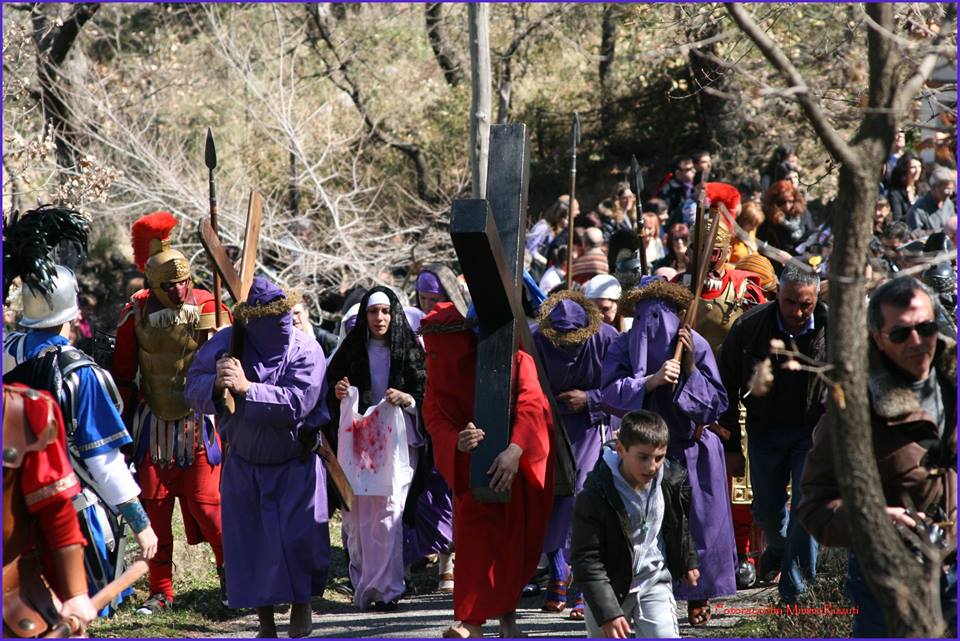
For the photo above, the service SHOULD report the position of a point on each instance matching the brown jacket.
(907, 447)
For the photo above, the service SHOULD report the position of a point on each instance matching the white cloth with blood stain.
(373, 447)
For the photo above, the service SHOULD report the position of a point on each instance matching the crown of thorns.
(277, 307)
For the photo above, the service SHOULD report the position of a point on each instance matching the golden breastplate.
(715, 317)
(167, 341)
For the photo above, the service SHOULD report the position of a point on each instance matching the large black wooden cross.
(488, 236)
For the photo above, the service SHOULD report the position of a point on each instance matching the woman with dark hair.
(904, 180)
(787, 222)
(677, 244)
(782, 154)
(382, 358)
(553, 220)
(622, 210)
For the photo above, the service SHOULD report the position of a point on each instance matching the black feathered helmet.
(49, 291)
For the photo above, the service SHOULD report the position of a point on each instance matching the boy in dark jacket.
(631, 538)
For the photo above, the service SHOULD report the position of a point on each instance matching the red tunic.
(47, 483)
(498, 544)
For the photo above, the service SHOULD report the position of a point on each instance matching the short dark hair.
(897, 231)
(896, 292)
(642, 427)
(655, 205)
(697, 155)
(681, 159)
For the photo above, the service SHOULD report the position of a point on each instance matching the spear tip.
(210, 153)
(636, 178)
(575, 129)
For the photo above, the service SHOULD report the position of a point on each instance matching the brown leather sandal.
(556, 600)
(698, 612)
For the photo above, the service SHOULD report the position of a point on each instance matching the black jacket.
(748, 343)
(603, 543)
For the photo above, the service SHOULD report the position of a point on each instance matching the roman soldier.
(43, 358)
(43, 577)
(177, 450)
(727, 293)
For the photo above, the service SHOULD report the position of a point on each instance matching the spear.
(210, 157)
(698, 232)
(574, 142)
(636, 184)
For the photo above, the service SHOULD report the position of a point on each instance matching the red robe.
(498, 544)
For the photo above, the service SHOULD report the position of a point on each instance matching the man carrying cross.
(274, 498)
(498, 544)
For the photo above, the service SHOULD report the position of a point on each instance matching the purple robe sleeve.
(623, 389)
(293, 398)
(598, 414)
(701, 396)
(198, 391)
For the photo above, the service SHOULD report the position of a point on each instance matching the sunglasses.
(899, 334)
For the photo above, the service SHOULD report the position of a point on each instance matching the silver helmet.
(60, 306)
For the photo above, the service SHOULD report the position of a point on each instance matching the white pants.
(652, 614)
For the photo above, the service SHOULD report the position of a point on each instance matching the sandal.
(576, 612)
(698, 612)
(556, 600)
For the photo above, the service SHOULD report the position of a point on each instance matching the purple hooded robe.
(276, 542)
(575, 367)
(698, 400)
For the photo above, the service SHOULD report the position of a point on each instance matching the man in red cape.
(498, 544)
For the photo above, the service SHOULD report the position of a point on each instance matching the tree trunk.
(479, 21)
(719, 103)
(16, 201)
(899, 583)
(608, 45)
(504, 90)
(445, 54)
(53, 40)
(293, 188)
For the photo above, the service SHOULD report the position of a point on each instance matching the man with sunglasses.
(913, 390)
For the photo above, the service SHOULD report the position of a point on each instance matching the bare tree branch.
(379, 133)
(444, 52)
(836, 145)
(913, 84)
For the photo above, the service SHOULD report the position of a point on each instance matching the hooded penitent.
(269, 324)
(274, 504)
(437, 278)
(154, 257)
(572, 340)
(698, 399)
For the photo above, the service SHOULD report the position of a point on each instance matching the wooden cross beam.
(238, 284)
(488, 237)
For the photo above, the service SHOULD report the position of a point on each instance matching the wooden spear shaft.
(575, 140)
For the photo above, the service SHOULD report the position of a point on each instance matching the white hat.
(602, 286)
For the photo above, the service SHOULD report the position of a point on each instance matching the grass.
(197, 611)
(827, 589)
